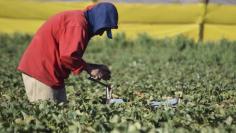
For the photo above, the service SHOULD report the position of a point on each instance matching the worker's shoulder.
(73, 18)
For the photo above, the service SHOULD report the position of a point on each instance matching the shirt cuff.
(80, 69)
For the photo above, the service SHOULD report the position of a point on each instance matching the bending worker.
(57, 48)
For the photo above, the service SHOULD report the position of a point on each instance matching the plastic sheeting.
(221, 14)
(8, 25)
(156, 1)
(215, 32)
(160, 30)
(172, 1)
(29, 9)
(160, 13)
(219, 21)
(157, 20)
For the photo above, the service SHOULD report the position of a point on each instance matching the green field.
(145, 69)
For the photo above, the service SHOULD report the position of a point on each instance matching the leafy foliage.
(203, 75)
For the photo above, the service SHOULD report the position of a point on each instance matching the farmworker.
(57, 48)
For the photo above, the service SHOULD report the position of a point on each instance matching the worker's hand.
(98, 71)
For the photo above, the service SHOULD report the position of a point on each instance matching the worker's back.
(53, 44)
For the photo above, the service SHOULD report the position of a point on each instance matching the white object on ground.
(116, 101)
(169, 102)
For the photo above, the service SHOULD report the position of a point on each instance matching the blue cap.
(102, 16)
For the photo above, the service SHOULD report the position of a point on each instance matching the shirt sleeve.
(72, 44)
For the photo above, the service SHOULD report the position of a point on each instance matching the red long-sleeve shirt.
(57, 49)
